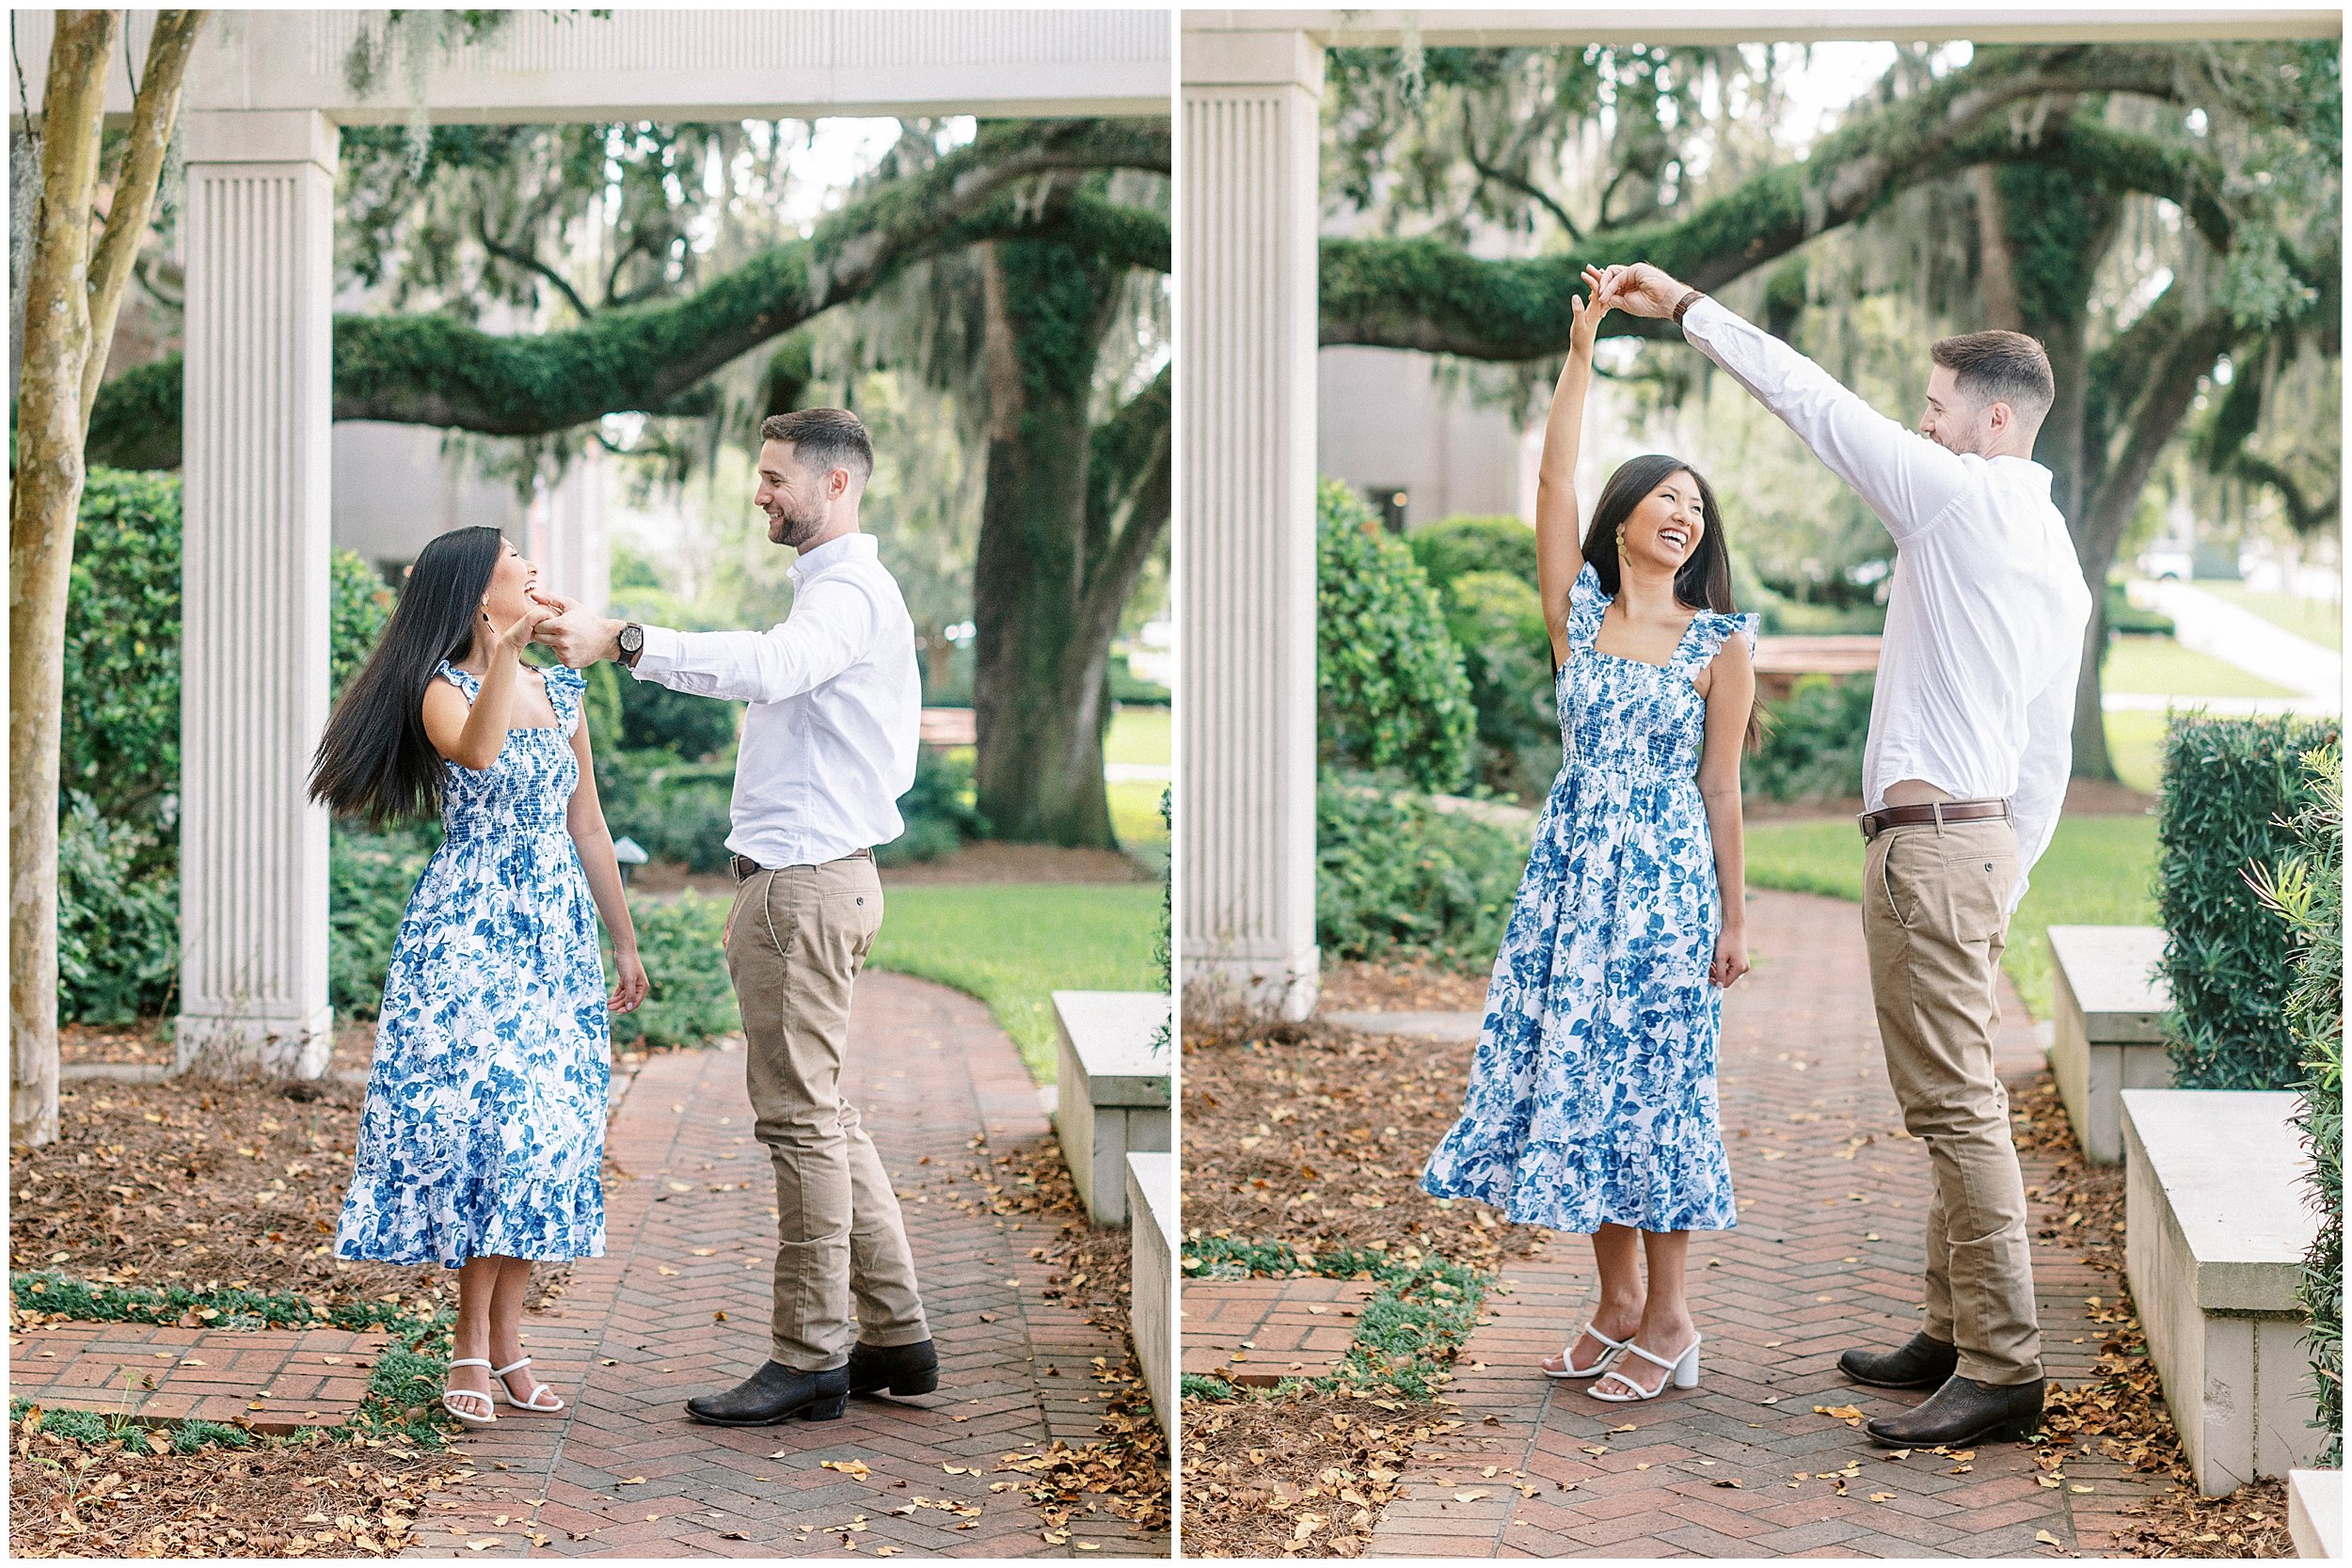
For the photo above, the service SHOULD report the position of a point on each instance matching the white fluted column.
(256, 410)
(1247, 380)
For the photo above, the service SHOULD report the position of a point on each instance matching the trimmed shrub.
(359, 603)
(120, 743)
(2129, 619)
(369, 878)
(653, 717)
(941, 810)
(682, 943)
(2230, 787)
(2306, 889)
(676, 811)
(1813, 740)
(118, 927)
(1455, 547)
(1393, 873)
(1390, 692)
(1498, 621)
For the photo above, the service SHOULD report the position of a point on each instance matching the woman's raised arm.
(1559, 553)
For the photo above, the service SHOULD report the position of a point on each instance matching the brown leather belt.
(1938, 812)
(745, 868)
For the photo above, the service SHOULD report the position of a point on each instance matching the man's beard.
(795, 529)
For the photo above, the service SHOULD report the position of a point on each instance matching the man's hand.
(1639, 290)
(577, 638)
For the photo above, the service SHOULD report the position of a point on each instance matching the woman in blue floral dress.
(482, 1143)
(1592, 1103)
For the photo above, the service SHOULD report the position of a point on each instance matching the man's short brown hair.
(2000, 367)
(825, 439)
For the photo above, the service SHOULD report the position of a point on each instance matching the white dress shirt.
(836, 708)
(1984, 624)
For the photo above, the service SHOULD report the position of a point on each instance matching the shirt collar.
(831, 553)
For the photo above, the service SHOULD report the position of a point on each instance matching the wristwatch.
(632, 642)
(1690, 297)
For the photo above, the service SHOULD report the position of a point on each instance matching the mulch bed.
(1401, 985)
(2122, 1415)
(299, 1499)
(1320, 1466)
(143, 1044)
(1314, 1135)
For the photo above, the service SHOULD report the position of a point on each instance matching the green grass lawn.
(2097, 872)
(1140, 735)
(2160, 666)
(2319, 620)
(2136, 746)
(1014, 944)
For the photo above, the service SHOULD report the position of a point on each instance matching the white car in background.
(2161, 562)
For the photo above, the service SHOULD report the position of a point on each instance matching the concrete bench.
(2108, 1001)
(2217, 1221)
(1112, 1091)
(1151, 1260)
(2315, 1512)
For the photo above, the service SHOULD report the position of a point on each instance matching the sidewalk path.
(1827, 1254)
(679, 1305)
(2210, 625)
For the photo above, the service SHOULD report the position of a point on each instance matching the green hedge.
(369, 878)
(1455, 547)
(1813, 740)
(118, 921)
(2306, 888)
(2231, 787)
(942, 810)
(1391, 691)
(681, 943)
(1393, 873)
(1496, 620)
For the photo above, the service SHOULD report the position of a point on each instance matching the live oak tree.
(72, 294)
(1077, 496)
(2046, 138)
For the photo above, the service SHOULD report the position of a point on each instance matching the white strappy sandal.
(1570, 1370)
(487, 1415)
(539, 1391)
(1682, 1372)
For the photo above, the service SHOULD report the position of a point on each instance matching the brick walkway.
(1257, 1332)
(271, 1380)
(1827, 1254)
(678, 1306)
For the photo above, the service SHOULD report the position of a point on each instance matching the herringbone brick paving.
(272, 1380)
(1827, 1254)
(678, 1306)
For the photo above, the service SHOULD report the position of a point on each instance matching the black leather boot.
(900, 1370)
(775, 1393)
(1924, 1363)
(1963, 1411)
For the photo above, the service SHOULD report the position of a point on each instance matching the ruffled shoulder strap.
(1711, 630)
(462, 679)
(1587, 604)
(567, 688)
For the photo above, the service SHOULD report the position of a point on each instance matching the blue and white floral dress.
(484, 1130)
(1592, 1097)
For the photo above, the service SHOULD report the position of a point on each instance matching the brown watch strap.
(1690, 297)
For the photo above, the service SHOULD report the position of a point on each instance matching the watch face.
(632, 639)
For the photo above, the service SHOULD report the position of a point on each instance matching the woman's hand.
(633, 984)
(514, 639)
(1585, 311)
(1731, 957)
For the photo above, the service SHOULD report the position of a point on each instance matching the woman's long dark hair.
(376, 761)
(1702, 582)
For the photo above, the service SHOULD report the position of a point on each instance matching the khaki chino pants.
(797, 938)
(1934, 918)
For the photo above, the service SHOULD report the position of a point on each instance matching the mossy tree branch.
(1425, 294)
(430, 369)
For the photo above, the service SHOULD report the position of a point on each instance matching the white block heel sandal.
(1567, 1357)
(1682, 1372)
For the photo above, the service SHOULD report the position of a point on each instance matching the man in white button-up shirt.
(828, 748)
(1963, 775)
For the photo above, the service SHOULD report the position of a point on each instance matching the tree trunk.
(42, 504)
(1037, 699)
